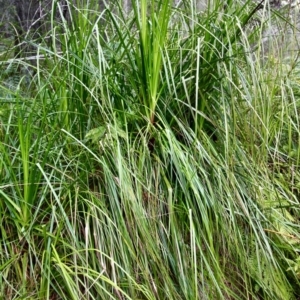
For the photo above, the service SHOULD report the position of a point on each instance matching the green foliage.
(152, 155)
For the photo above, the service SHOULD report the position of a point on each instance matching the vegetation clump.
(152, 155)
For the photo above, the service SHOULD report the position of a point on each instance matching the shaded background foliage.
(31, 14)
(27, 20)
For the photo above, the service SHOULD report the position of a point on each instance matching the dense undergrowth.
(153, 155)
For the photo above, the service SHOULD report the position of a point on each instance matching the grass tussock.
(151, 155)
